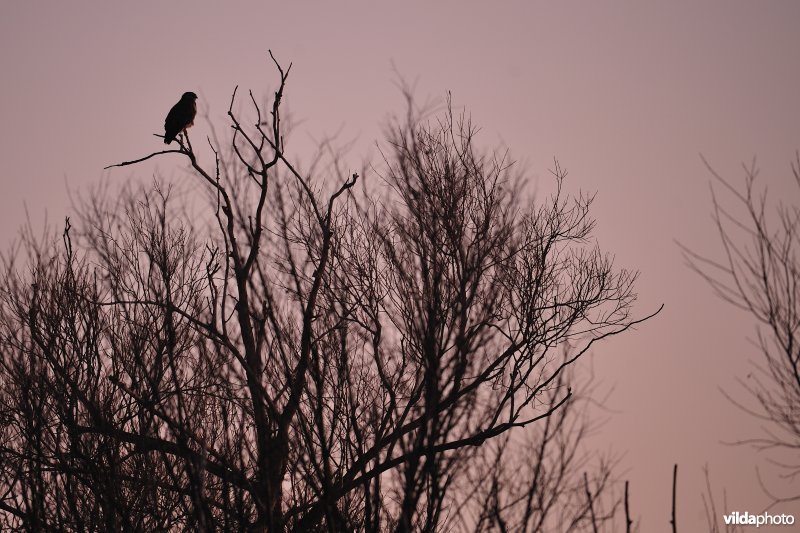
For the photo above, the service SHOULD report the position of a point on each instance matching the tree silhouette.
(760, 273)
(307, 356)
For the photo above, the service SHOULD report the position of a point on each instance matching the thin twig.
(628, 522)
(145, 158)
(591, 504)
(674, 486)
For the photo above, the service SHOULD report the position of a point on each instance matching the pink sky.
(626, 95)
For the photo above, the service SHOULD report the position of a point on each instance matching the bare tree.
(760, 273)
(310, 357)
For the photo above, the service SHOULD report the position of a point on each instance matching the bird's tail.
(168, 140)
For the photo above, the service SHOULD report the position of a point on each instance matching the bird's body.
(180, 117)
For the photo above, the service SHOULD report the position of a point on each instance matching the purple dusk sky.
(626, 95)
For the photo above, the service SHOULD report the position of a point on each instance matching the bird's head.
(189, 96)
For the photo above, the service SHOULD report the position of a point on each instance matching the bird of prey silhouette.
(180, 117)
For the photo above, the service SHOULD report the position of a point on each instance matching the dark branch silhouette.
(304, 356)
(760, 274)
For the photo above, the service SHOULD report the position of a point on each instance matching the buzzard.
(180, 117)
